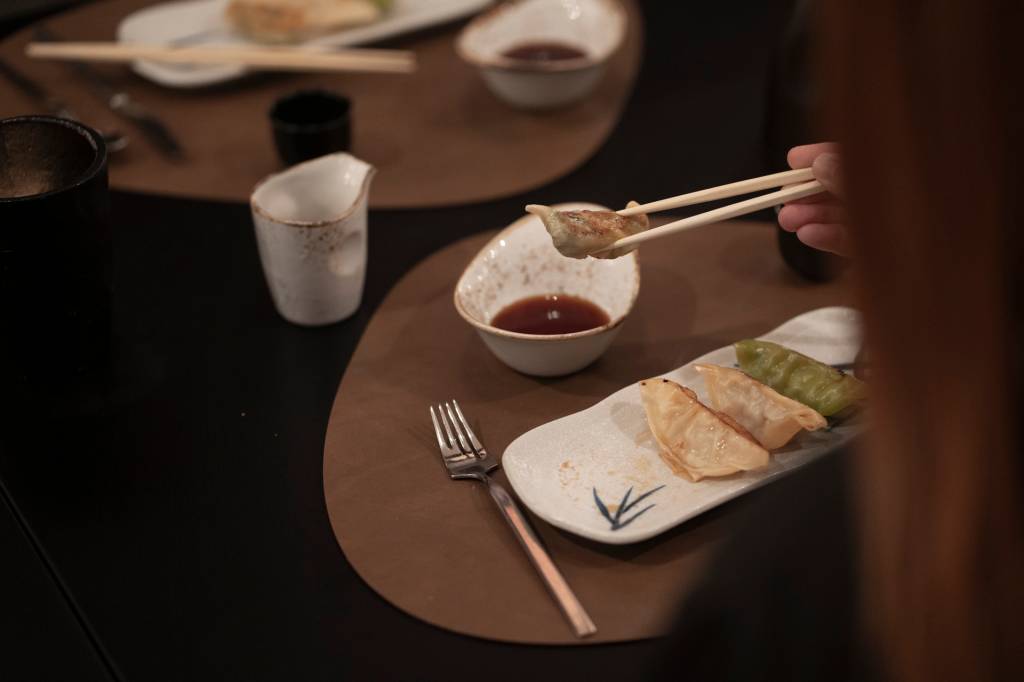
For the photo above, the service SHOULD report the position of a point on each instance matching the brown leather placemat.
(438, 137)
(439, 549)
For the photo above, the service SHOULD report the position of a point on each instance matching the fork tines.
(454, 435)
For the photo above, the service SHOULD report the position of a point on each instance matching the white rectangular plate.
(561, 469)
(202, 22)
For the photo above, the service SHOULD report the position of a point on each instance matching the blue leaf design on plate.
(603, 509)
(638, 500)
(632, 518)
(624, 506)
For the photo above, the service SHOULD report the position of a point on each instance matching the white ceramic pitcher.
(311, 232)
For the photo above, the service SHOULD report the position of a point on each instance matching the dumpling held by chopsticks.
(578, 234)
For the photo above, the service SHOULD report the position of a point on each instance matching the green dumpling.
(796, 376)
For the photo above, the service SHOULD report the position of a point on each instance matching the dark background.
(170, 524)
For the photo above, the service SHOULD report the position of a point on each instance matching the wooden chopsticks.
(806, 187)
(732, 189)
(266, 58)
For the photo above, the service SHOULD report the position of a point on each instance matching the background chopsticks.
(264, 58)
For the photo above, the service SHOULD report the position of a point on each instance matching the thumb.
(828, 171)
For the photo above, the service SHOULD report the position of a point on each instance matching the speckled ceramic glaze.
(597, 473)
(596, 27)
(521, 262)
(311, 233)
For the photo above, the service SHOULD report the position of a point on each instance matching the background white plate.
(172, 21)
(556, 468)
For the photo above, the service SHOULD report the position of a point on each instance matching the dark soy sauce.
(544, 52)
(551, 314)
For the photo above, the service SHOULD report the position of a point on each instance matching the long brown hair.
(924, 96)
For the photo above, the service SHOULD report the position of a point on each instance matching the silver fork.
(465, 457)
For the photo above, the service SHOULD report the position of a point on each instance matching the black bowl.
(55, 255)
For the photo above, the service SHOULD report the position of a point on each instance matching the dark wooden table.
(182, 506)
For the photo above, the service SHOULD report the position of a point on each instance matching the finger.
(794, 216)
(819, 198)
(804, 155)
(825, 237)
(829, 172)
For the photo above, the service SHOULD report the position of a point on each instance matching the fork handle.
(567, 601)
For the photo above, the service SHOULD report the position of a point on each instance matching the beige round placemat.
(439, 549)
(437, 137)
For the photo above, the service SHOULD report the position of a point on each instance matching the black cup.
(55, 256)
(812, 264)
(311, 123)
(794, 112)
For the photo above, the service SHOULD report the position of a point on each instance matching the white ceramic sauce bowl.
(596, 27)
(310, 225)
(520, 262)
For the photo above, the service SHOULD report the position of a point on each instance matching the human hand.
(818, 220)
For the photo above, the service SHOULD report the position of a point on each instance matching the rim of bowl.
(509, 64)
(90, 135)
(289, 127)
(520, 224)
(364, 189)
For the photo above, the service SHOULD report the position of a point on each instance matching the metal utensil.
(151, 127)
(115, 140)
(466, 458)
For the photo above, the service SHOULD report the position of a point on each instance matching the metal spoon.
(113, 138)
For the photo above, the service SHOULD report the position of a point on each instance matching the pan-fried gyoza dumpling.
(695, 440)
(772, 418)
(288, 21)
(578, 234)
